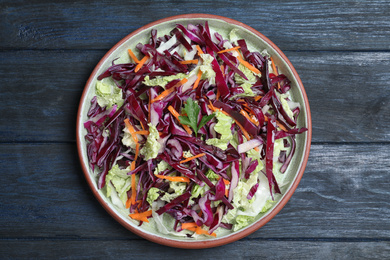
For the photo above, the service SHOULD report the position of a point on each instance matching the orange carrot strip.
(176, 115)
(169, 91)
(188, 225)
(131, 54)
(142, 125)
(136, 152)
(133, 191)
(193, 157)
(189, 62)
(199, 50)
(257, 98)
(244, 113)
(143, 216)
(245, 133)
(199, 75)
(213, 108)
(247, 64)
(231, 49)
(198, 230)
(141, 63)
(131, 130)
(128, 203)
(173, 178)
(193, 229)
(274, 69)
(142, 132)
(201, 231)
(281, 126)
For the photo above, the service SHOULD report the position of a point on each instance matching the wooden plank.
(137, 249)
(293, 25)
(347, 91)
(343, 195)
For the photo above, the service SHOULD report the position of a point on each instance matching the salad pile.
(194, 134)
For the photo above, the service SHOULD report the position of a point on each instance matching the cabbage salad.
(194, 134)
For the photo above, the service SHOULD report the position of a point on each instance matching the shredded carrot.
(201, 231)
(169, 91)
(198, 230)
(188, 225)
(244, 132)
(131, 130)
(254, 121)
(257, 98)
(141, 63)
(248, 65)
(199, 76)
(142, 125)
(281, 126)
(143, 216)
(142, 132)
(173, 178)
(133, 189)
(132, 55)
(213, 108)
(199, 50)
(189, 62)
(176, 115)
(225, 181)
(274, 69)
(193, 157)
(128, 203)
(136, 153)
(222, 69)
(218, 94)
(231, 49)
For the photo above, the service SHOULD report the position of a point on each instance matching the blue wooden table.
(341, 49)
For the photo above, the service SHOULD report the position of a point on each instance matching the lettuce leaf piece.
(161, 166)
(242, 221)
(223, 127)
(268, 204)
(153, 194)
(178, 189)
(212, 176)
(285, 105)
(233, 37)
(120, 181)
(254, 155)
(108, 94)
(251, 76)
(278, 147)
(152, 146)
(162, 80)
(206, 68)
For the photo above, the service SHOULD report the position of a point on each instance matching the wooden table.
(341, 49)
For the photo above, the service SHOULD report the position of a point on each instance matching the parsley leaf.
(192, 110)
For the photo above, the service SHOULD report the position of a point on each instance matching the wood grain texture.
(293, 25)
(348, 94)
(341, 51)
(342, 195)
(244, 249)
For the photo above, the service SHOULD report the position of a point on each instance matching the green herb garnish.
(192, 110)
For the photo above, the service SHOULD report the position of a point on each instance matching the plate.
(255, 41)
